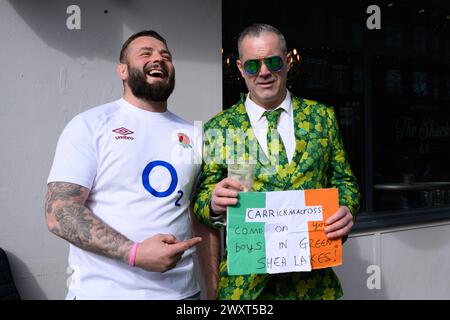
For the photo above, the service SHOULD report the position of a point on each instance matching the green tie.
(275, 146)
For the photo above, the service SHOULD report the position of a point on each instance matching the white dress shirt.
(285, 125)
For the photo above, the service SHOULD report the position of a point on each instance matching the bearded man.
(118, 196)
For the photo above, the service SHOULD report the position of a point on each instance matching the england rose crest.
(184, 140)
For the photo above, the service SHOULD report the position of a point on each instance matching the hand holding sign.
(224, 195)
(339, 224)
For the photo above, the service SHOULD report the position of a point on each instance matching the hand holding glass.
(242, 173)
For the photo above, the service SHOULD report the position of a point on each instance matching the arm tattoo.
(73, 221)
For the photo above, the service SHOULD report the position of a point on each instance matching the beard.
(160, 91)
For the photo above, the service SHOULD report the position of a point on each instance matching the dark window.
(390, 89)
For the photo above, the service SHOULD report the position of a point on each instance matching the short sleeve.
(75, 157)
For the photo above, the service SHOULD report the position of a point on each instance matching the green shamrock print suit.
(319, 161)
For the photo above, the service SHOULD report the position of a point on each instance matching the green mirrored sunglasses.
(251, 67)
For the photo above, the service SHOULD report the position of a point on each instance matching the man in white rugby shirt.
(121, 199)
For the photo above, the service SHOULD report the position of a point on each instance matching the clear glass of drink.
(242, 172)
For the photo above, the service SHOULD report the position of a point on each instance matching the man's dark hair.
(143, 33)
(257, 29)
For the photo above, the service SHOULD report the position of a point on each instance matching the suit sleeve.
(213, 171)
(341, 175)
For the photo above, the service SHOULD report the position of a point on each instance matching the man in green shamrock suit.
(298, 146)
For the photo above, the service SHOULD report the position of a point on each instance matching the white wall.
(49, 74)
(414, 263)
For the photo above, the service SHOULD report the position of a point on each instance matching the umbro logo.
(124, 133)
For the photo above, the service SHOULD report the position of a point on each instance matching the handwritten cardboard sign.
(282, 231)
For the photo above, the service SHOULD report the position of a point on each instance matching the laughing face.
(267, 88)
(151, 74)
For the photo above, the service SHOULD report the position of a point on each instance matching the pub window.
(390, 89)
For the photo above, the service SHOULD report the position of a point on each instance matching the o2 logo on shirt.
(173, 183)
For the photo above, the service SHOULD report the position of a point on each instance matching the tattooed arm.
(69, 218)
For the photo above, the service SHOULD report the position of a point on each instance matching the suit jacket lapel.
(301, 137)
(300, 120)
(269, 177)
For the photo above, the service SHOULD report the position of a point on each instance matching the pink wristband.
(133, 253)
